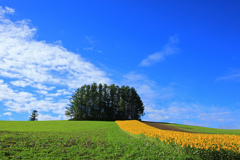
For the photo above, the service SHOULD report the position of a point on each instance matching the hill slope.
(79, 140)
(199, 129)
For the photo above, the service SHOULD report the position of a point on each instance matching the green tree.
(113, 103)
(100, 102)
(81, 97)
(88, 103)
(127, 102)
(121, 111)
(70, 111)
(77, 105)
(93, 99)
(103, 102)
(123, 103)
(34, 115)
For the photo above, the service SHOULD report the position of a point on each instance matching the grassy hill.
(81, 140)
(205, 129)
(78, 140)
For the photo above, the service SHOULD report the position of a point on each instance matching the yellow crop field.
(201, 141)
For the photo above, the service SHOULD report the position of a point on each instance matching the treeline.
(103, 102)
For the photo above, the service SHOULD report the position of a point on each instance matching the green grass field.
(79, 140)
(85, 140)
(205, 129)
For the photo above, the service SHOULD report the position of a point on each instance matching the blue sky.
(181, 56)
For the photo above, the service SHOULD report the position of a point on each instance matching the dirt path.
(164, 127)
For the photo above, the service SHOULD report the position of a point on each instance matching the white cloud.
(42, 117)
(28, 64)
(90, 39)
(6, 92)
(42, 92)
(64, 92)
(44, 87)
(157, 118)
(7, 10)
(19, 83)
(54, 94)
(49, 99)
(26, 102)
(14, 100)
(167, 50)
(41, 63)
(233, 75)
(192, 114)
(151, 94)
(60, 92)
(148, 89)
(88, 49)
(7, 114)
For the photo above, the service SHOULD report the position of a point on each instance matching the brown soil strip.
(164, 127)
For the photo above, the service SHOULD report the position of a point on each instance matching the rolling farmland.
(219, 146)
(205, 129)
(94, 140)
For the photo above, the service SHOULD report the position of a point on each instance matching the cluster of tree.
(103, 102)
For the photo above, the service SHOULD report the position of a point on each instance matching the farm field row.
(205, 129)
(79, 140)
(221, 145)
(94, 140)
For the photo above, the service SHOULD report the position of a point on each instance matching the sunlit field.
(97, 140)
(205, 129)
(78, 140)
(220, 146)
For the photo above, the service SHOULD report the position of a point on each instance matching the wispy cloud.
(90, 39)
(48, 117)
(88, 49)
(168, 49)
(22, 57)
(192, 114)
(232, 75)
(7, 114)
(148, 89)
(19, 101)
(92, 47)
(31, 71)
(5, 10)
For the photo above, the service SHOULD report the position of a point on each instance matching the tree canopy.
(33, 116)
(103, 102)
